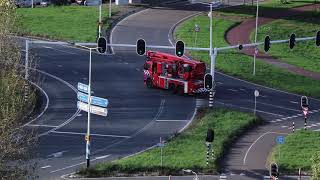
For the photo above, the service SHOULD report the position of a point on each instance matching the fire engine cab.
(177, 74)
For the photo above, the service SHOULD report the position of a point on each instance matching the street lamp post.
(100, 19)
(110, 6)
(213, 55)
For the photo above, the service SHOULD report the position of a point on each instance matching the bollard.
(293, 127)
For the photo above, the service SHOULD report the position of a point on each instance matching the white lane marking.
(266, 177)
(59, 50)
(137, 69)
(267, 104)
(294, 102)
(126, 63)
(98, 135)
(45, 108)
(294, 116)
(264, 96)
(219, 83)
(59, 65)
(79, 115)
(241, 89)
(172, 120)
(45, 167)
(263, 86)
(41, 125)
(103, 157)
(284, 126)
(240, 107)
(56, 155)
(245, 157)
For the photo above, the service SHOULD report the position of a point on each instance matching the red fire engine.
(179, 75)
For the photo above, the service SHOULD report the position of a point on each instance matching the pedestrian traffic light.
(292, 41)
(266, 43)
(179, 48)
(210, 135)
(318, 38)
(304, 102)
(102, 45)
(208, 81)
(274, 170)
(141, 47)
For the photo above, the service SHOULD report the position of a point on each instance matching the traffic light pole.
(213, 55)
(89, 113)
(100, 19)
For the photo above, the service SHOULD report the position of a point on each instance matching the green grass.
(304, 54)
(297, 151)
(186, 150)
(74, 23)
(236, 64)
(264, 8)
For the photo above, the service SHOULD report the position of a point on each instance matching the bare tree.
(15, 142)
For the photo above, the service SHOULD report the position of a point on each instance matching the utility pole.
(89, 111)
(255, 41)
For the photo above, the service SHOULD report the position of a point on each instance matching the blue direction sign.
(280, 139)
(94, 100)
(83, 87)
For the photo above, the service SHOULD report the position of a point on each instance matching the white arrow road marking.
(45, 167)
(102, 157)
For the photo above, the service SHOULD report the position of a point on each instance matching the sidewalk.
(241, 34)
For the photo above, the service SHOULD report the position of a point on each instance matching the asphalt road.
(132, 124)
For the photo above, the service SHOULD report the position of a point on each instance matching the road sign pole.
(255, 41)
(161, 152)
(255, 105)
(26, 61)
(89, 110)
(195, 39)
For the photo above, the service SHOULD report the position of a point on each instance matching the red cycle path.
(241, 35)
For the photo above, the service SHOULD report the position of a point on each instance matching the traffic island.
(187, 150)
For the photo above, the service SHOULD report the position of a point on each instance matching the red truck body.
(177, 74)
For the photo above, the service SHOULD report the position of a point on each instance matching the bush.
(316, 166)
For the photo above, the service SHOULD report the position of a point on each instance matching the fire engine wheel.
(180, 90)
(172, 88)
(149, 83)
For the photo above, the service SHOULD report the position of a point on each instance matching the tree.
(316, 166)
(16, 143)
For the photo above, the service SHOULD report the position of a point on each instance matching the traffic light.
(102, 45)
(292, 41)
(304, 102)
(266, 43)
(240, 47)
(210, 135)
(208, 81)
(141, 47)
(274, 170)
(318, 38)
(179, 48)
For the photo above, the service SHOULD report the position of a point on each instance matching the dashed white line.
(233, 90)
(294, 102)
(41, 125)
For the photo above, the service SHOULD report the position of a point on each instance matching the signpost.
(93, 109)
(94, 100)
(256, 94)
(280, 140)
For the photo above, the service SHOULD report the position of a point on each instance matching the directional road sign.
(83, 87)
(280, 139)
(94, 109)
(94, 100)
(256, 93)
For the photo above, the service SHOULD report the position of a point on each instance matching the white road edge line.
(172, 120)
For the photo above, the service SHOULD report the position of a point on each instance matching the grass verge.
(305, 54)
(74, 23)
(297, 152)
(185, 151)
(236, 64)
